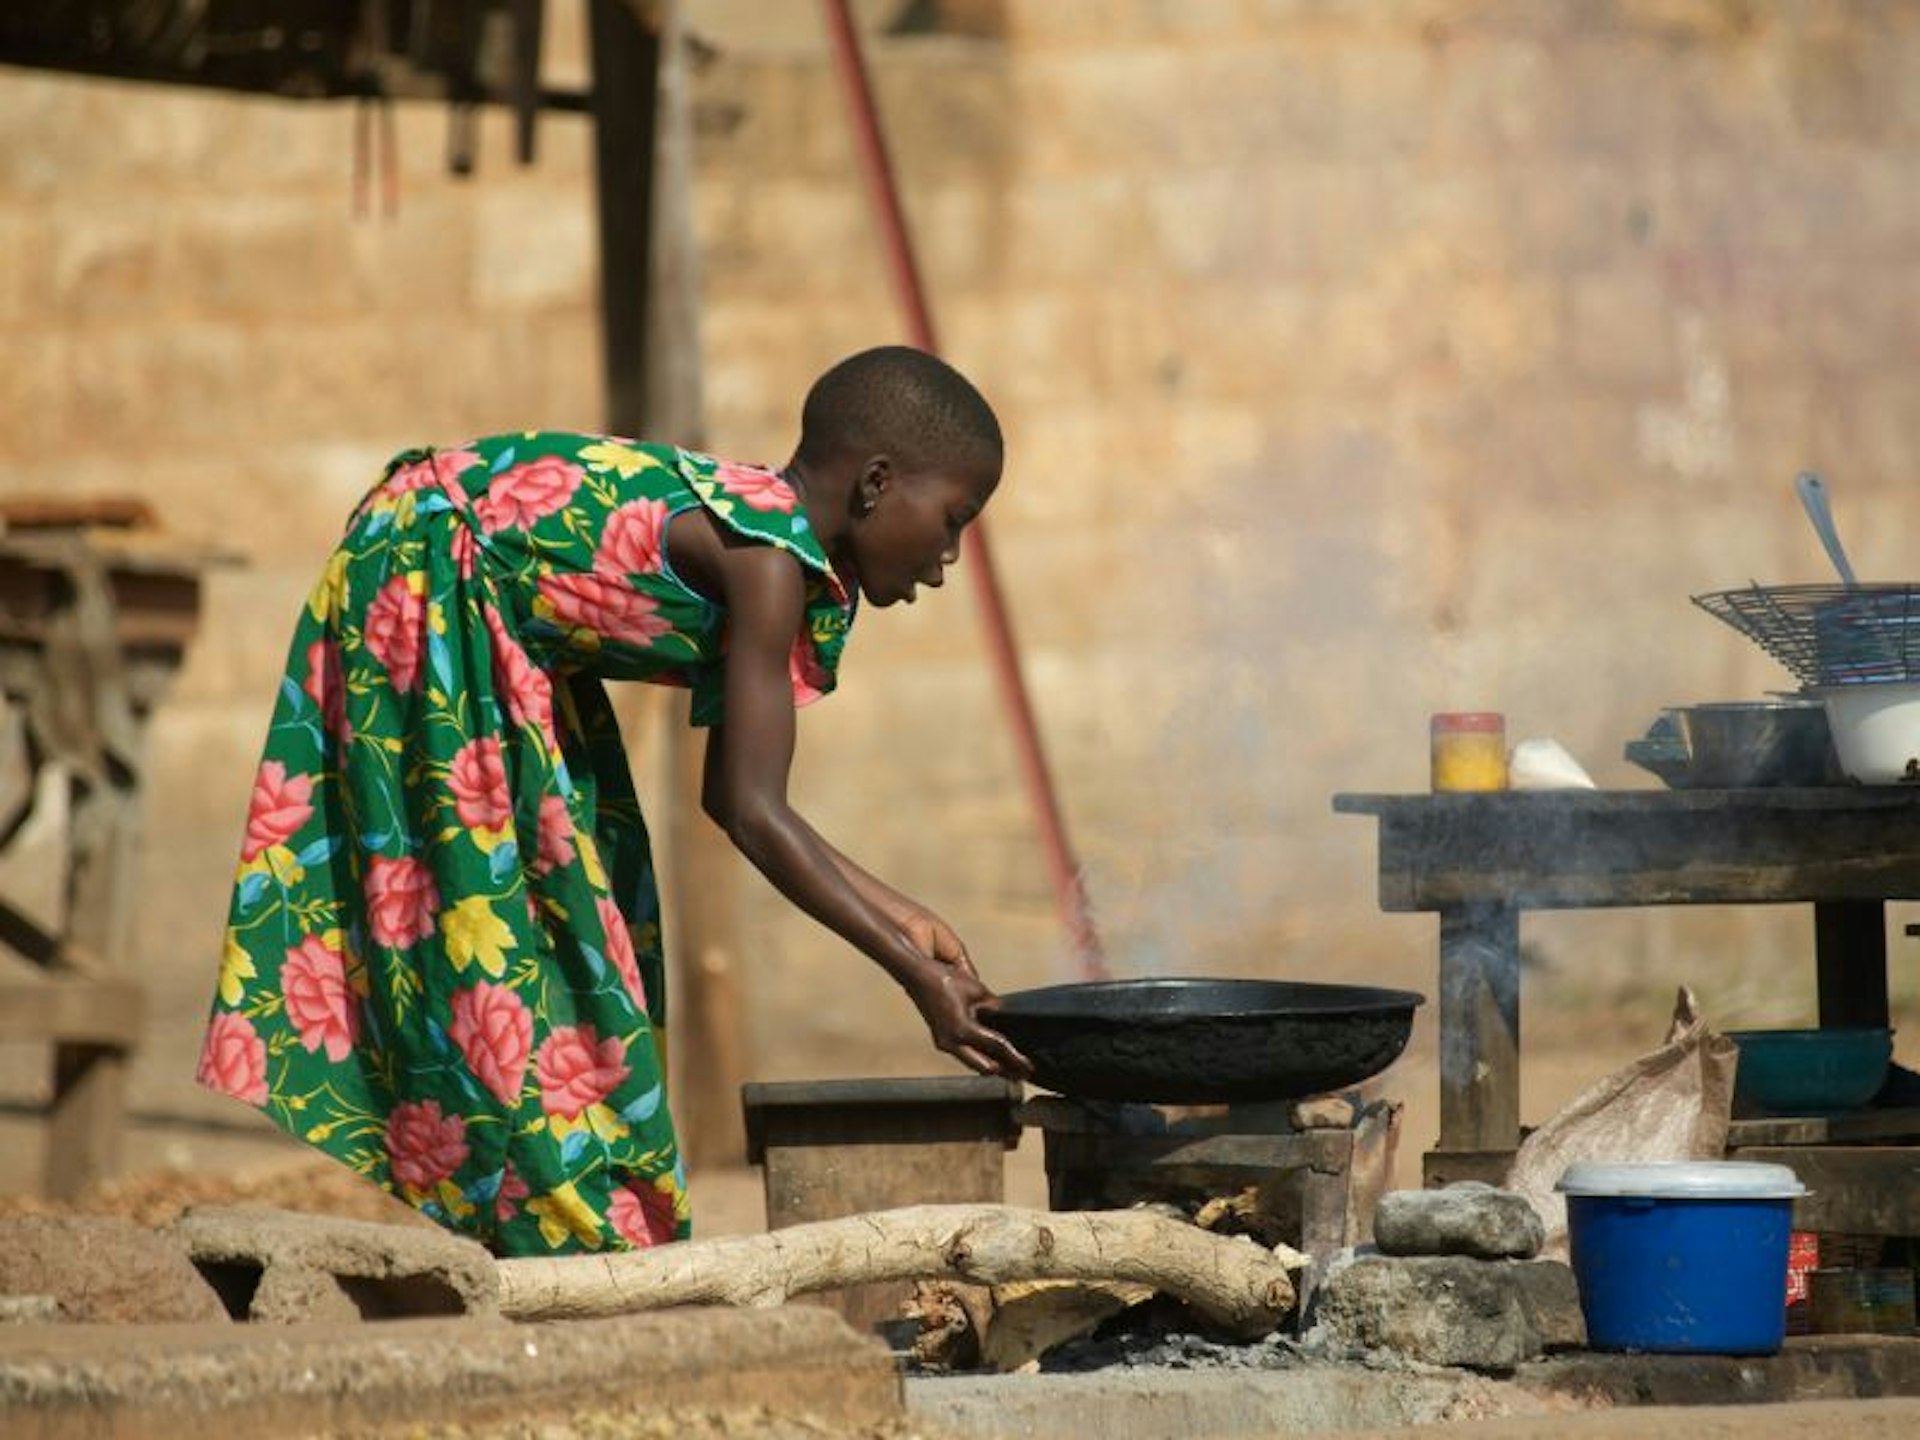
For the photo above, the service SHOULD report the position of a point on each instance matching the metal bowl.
(1757, 743)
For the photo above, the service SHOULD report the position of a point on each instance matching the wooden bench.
(93, 1026)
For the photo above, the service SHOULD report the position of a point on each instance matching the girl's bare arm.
(745, 791)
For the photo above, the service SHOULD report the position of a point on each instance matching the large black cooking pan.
(1205, 1042)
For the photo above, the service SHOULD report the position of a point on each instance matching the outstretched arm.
(745, 791)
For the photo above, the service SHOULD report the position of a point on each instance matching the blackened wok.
(1204, 1041)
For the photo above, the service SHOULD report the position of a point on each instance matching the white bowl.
(1876, 730)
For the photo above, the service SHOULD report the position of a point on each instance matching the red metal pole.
(1068, 888)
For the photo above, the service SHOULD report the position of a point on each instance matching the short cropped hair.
(900, 401)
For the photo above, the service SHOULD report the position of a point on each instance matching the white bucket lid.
(1682, 1180)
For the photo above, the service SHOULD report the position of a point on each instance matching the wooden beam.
(101, 1012)
(1850, 945)
(1859, 1190)
(1479, 1028)
(626, 65)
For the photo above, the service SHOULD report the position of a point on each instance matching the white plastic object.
(1876, 729)
(1545, 765)
(1681, 1180)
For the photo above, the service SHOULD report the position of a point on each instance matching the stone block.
(945, 104)
(533, 246)
(772, 116)
(1106, 109)
(1043, 350)
(1450, 1310)
(1467, 1218)
(286, 1268)
(754, 243)
(26, 244)
(1059, 228)
(106, 263)
(102, 1269)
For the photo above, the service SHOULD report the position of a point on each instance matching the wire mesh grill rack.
(1829, 634)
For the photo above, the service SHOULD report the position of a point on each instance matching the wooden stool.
(831, 1148)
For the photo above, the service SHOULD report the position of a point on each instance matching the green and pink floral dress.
(442, 962)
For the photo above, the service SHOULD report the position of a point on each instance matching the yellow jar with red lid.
(1469, 751)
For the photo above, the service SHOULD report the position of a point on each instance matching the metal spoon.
(1813, 496)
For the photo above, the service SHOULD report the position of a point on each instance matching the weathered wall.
(1359, 359)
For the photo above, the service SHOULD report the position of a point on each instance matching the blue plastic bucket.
(1682, 1256)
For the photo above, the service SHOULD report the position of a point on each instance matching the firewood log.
(1234, 1283)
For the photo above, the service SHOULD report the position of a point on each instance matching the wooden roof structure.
(463, 53)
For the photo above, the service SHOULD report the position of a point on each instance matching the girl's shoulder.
(756, 502)
(587, 449)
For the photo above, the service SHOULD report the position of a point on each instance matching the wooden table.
(1480, 860)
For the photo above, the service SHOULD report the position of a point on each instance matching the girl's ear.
(874, 478)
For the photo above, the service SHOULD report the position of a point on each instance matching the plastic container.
(1876, 730)
(1469, 751)
(1682, 1257)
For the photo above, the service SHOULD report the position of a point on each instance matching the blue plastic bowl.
(1799, 1072)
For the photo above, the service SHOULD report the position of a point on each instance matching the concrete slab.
(289, 1267)
(1313, 1396)
(179, 1382)
(1203, 1405)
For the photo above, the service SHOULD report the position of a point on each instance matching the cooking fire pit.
(1203, 1041)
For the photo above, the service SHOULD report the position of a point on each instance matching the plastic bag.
(1672, 1104)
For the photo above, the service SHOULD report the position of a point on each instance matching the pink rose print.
(397, 631)
(804, 670)
(512, 1191)
(757, 488)
(577, 1069)
(402, 900)
(643, 1214)
(280, 806)
(441, 469)
(523, 494)
(607, 607)
(233, 1059)
(633, 539)
(556, 835)
(494, 1030)
(478, 779)
(528, 691)
(620, 948)
(408, 478)
(424, 1147)
(463, 547)
(326, 686)
(319, 1003)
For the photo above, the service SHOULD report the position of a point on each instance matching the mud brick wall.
(1358, 358)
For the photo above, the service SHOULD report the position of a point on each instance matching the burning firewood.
(1239, 1286)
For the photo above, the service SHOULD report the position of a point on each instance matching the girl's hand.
(949, 994)
(935, 939)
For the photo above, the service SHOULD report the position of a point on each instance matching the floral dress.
(442, 964)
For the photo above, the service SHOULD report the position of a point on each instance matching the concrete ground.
(798, 1372)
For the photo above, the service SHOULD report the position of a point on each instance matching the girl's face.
(913, 531)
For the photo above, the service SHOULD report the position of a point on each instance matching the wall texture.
(1358, 358)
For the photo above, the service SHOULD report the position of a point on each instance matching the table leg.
(1479, 1028)
(1850, 950)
